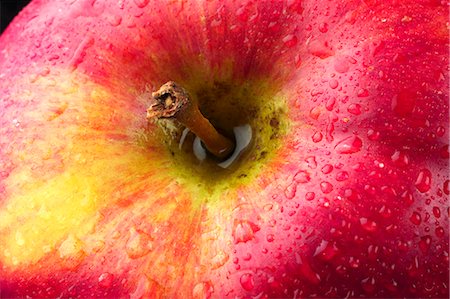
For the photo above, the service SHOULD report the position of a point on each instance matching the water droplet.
(342, 176)
(423, 181)
(323, 27)
(295, 6)
(330, 104)
(70, 247)
(413, 268)
(444, 152)
(217, 21)
(141, 3)
(268, 207)
(330, 128)
(305, 270)
(373, 135)
(316, 91)
(368, 285)
(400, 158)
(203, 290)
(341, 64)
(105, 280)
(352, 195)
(372, 252)
(326, 187)
(326, 250)
(317, 137)
(115, 20)
(290, 40)
(19, 238)
(415, 218)
(404, 102)
(138, 244)
(349, 145)
(310, 196)
(440, 131)
(341, 270)
(96, 245)
(424, 244)
(391, 286)
(302, 177)
(327, 168)
(57, 111)
(436, 212)
(44, 72)
(242, 13)
(247, 281)
(446, 187)
(320, 49)
(290, 191)
(367, 224)
(333, 83)
(362, 93)
(219, 260)
(439, 231)
(247, 256)
(297, 61)
(80, 52)
(385, 212)
(354, 262)
(354, 109)
(53, 57)
(244, 231)
(311, 161)
(116, 235)
(402, 246)
(274, 26)
(315, 112)
(407, 198)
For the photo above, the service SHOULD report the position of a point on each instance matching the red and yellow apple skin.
(352, 203)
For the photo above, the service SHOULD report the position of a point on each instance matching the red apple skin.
(354, 203)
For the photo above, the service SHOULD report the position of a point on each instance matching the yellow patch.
(69, 168)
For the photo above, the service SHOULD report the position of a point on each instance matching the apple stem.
(173, 102)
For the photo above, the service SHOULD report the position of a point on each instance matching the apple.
(341, 191)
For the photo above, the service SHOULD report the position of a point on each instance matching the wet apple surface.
(342, 191)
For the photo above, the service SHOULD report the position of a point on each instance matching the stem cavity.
(173, 102)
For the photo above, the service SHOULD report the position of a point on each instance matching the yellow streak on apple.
(42, 212)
